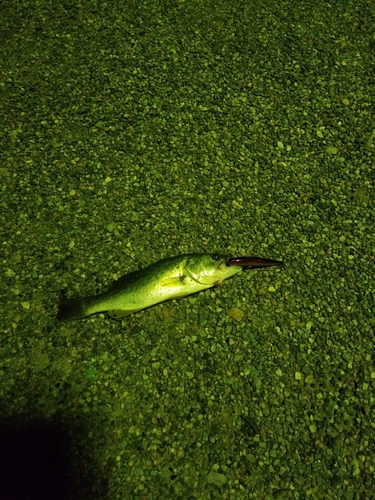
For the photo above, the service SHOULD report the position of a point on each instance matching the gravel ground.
(133, 131)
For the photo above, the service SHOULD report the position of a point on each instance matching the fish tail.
(70, 309)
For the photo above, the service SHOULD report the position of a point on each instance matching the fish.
(168, 279)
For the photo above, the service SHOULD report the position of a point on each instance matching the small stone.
(236, 314)
(216, 478)
(331, 150)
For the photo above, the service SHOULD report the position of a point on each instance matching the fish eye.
(216, 257)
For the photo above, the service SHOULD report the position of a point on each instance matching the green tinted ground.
(137, 130)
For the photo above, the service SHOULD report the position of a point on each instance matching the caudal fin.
(70, 309)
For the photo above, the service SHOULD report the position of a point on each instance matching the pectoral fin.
(174, 282)
(177, 287)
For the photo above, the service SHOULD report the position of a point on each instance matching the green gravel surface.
(137, 130)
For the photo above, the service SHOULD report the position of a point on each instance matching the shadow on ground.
(48, 459)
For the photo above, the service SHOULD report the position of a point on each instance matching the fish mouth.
(253, 262)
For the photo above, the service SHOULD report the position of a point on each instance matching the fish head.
(209, 269)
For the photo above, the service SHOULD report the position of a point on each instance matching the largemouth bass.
(167, 279)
